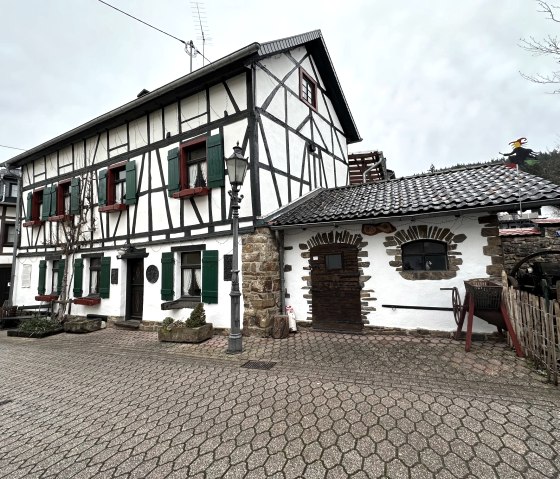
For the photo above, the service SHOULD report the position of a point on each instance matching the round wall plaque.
(152, 273)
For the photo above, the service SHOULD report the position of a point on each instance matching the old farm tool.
(483, 298)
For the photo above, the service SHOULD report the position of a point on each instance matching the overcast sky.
(428, 82)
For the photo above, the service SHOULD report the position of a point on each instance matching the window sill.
(113, 207)
(32, 223)
(181, 303)
(46, 298)
(190, 192)
(87, 301)
(58, 218)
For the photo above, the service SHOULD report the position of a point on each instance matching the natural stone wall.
(517, 247)
(261, 278)
(493, 249)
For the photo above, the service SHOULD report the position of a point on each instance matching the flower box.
(113, 207)
(189, 192)
(58, 218)
(87, 301)
(46, 298)
(33, 223)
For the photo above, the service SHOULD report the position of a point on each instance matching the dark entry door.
(135, 288)
(335, 288)
(5, 273)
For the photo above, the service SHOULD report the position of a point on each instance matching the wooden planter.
(80, 326)
(186, 335)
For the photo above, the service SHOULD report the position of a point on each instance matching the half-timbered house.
(146, 182)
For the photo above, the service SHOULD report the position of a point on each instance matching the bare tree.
(549, 45)
(74, 231)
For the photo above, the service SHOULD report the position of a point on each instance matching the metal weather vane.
(520, 155)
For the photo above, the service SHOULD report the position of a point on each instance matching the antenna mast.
(200, 21)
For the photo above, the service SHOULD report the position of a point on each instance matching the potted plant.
(193, 330)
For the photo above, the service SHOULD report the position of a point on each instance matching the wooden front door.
(335, 288)
(135, 287)
(5, 276)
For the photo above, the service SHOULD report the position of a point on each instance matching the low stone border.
(24, 334)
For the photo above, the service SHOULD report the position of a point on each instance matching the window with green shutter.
(173, 171)
(215, 159)
(130, 195)
(105, 278)
(167, 267)
(78, 277)
(102, 188)
(60, 268)
(210, 276)
(42, 276)
(75, 196)
(47, 197)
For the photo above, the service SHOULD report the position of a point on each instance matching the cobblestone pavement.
(120, 404)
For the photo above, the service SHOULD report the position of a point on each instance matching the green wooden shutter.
(46, 203)
(173, 171)
(61, 263)
(42, 276)
(167, 267)
(75, 196)
(78, 277)
(215, 159)
(29, 211)
(130, 198)
(105, 279)
(54, 198)
(102, 188)
(210, 277)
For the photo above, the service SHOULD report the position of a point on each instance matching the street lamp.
(236, 168)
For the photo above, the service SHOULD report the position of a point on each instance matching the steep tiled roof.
(481, 188)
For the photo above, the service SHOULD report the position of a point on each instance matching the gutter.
(16, 239)
(137, 103)
(456, 212)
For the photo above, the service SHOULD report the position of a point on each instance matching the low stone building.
(385, 254)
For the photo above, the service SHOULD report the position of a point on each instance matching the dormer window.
(307, 89)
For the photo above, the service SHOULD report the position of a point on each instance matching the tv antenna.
(200, 23)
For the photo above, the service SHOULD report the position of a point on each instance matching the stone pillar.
(260, 281)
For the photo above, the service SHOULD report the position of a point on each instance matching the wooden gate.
(335, 288)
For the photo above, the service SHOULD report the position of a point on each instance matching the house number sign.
(152, 273)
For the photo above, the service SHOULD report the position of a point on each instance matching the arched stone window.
(424, 255)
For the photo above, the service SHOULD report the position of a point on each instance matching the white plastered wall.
(387, 285)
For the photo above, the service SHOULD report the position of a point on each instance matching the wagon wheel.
(456, 301)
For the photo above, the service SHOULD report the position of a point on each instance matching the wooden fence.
(537, 324)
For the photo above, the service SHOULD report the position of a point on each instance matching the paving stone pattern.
(119, 404)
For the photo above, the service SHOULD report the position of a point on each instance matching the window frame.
(36, 205)
(424, 254)
(111, 180)
(59, 195)
(10, 186)
(5, 241)
(184, 150)
(192, 267)
(97, 271)
(305, 79)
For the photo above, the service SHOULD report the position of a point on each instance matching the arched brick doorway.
(335, 288)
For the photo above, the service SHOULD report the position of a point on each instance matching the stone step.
(131, 324)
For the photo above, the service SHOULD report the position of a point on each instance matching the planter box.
(186, 335)
(80, 326)
(23, 334)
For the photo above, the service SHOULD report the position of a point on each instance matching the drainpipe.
(280, 242)
(16, 239)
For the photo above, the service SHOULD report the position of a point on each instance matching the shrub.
(167, 322)
(38, 324)
(197, 317)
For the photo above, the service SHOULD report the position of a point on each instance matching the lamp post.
(236, 168)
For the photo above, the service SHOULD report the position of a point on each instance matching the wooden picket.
(537, 324)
